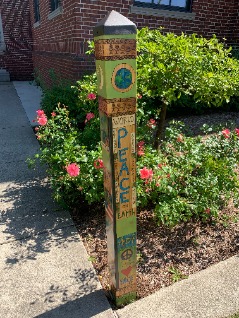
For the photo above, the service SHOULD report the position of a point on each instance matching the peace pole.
(115, 54)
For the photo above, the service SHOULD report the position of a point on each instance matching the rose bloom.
(40, 112)
(237, 131)
(226, 133)
(91, 96)
(89, 116)
(140, 152)
(146, 173)
(208, 211)
(140, 144)
(73, 169)
(151, 123)
(140, 147)
(53, 114)
(98, 164)
(180, 138)
(42, 120)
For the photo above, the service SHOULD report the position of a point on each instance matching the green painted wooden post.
(115, 53)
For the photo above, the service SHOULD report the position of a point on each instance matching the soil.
(166, 255)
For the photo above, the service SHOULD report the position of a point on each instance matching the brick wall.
(60, 43)
(209, 17)
(17, 59)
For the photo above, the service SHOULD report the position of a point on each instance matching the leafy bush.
(185, 177)
(188, 178)
(171, 67)
(62, 93)
(61, 146)
(79, 98)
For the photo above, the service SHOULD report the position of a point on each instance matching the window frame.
(2, 41)
(187, 8)
(54, 5)
(37, 16)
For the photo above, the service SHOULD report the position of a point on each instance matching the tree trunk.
(160, 127)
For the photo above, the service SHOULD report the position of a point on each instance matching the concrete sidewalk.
(211, 293)
(45, 270)
(44, 267)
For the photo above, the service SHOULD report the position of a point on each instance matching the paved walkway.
(44, 267)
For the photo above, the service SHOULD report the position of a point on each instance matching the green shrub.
(61, 146)
(79, 98)
(185, 178)
(188, 178)
(64, 94)
(172, 67)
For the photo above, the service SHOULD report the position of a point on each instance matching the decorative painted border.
(115, 49)
(117, 106)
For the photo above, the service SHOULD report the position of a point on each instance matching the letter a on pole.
(115, 53)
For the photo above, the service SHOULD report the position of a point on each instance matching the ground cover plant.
(187, 186)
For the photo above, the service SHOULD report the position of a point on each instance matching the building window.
(55, 4)
(180, 5)
(36, 10)
(2, 43)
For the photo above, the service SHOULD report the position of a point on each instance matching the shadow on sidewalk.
(86, 306)
(30, 218)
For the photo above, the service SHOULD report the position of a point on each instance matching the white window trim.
(36, 24)
(55, 13)
(162, 13)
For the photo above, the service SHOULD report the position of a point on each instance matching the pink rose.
(91, 96)
(180, 138)
(140, 144)
(42, 120)
(146, 173)
(140, 147)
(237, 131)
(89, 116)
(98, 164)
(53, 114)
(141, 152)
(226, 133)
(208, 211)
(40, 112)
(151, 123)
(73, 169)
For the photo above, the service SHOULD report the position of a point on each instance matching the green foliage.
(190, 177)
(171, 65)
(60, 146)
(75, 97)
(176, 274)
(62, 93)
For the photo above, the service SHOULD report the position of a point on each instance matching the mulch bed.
(165, 255)
(186, 248)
